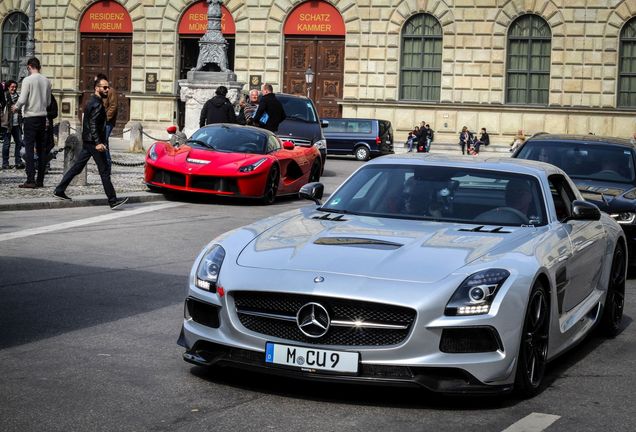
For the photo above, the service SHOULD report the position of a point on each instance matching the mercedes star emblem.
(313, 320)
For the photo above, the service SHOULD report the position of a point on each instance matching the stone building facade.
(585, 39)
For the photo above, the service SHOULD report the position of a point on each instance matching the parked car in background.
(602, 168)
(363, 138)
(302, 126)
(448, 273)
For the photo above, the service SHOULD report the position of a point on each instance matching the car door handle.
(580, 245)
(563, 258)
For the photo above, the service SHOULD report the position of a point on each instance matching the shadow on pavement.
(42, 299)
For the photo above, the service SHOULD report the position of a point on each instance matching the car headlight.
(209, 268)
(252, 167)
(321, 144)
(475, 295)
(152, 153)
(625, 218)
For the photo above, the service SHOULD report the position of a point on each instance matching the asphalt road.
(91, 303)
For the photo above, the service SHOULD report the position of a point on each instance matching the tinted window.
(359, 126)
(299, 109)
(385, 126)
(441, 193)
(336, 125)
(588, 161)
(230, 139)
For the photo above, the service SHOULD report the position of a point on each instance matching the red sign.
(195, 20)
(106, 17)
(315, 17)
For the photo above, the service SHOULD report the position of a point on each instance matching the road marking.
(88, 221)
(535, 422)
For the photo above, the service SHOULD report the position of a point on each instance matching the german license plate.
(311, 359)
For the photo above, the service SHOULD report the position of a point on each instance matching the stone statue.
(213, 46)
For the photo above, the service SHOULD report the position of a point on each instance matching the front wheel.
(533, 350)
(362, 153)
(271, 186)
(610, 324)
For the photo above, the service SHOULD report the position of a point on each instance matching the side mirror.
(312, 191)
(584, 210)
(324, 123)
(171, 129)
(288, 145)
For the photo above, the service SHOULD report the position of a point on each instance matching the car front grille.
(362, 323)
(169, 178)
(220, 184)
(296, 141)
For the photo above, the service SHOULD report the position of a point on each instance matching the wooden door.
(112, 56)
(326, 58)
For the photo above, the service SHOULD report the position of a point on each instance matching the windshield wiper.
(203, 143)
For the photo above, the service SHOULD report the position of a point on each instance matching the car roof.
(504, 164)
(581, 139)
(237, 126)
(352, 118)
(291, 96)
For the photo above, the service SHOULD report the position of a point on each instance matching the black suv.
(603, 169)
(363, 138)
(302, 125)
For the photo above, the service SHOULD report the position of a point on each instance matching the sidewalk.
(128, 182)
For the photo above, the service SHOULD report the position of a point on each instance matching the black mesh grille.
(469, 340)
(220, 184)
(169, 177)
(203, 313)
(339, 309)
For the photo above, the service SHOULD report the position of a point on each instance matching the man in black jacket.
(93, 137)
(270, 111)
(218, 109)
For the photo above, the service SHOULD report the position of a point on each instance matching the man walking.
(14, 128)
(35, 98)
(218, 109)
(110, 105)
(270, 111)
(93, 135)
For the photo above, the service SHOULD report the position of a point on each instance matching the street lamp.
(4, 69)
(309, 79)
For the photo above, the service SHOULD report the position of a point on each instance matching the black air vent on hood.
(358, 242)
(330, 217)
(482, 229)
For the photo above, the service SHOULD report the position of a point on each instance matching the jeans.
(88, 151)
(107, 131)
(16, 133)
(35, 141)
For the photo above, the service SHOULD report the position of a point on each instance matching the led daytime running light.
(252, 167)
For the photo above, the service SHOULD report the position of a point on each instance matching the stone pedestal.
(199, 87)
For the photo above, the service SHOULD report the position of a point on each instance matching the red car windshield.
(230, 139)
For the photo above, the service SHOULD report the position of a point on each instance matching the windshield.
(230, 139)
(445, 194)
(298, 109)
(584, 161)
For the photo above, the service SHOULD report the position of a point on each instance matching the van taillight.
(378, 140)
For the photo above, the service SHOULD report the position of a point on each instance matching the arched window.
(528, 74)
(421, 62)
(15, 30)
(627, 66)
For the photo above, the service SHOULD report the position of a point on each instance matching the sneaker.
(118, 203)
(27, 185)
(62, 196)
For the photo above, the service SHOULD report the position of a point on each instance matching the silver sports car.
(453, 274)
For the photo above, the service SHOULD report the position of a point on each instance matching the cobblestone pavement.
(124, 178)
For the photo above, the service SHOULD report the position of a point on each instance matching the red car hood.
(195, 159)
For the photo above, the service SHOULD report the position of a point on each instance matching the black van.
(302, 125)
(364, 138)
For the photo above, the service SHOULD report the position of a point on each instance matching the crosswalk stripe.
(535, 422)
(88, 221)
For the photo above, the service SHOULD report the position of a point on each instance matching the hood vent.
(481, 229)
(328, 216)
(358, 242)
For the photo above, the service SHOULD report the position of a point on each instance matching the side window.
(562, 195)
(272, 144)
(336, 126)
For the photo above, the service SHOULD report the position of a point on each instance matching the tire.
(612, 317)
(533, 348)
(314, 174)
(362, 153)
(271, 186)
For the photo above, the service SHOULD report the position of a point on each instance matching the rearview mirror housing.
(312, 191)
(584, 210)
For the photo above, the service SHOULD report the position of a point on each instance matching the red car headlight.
(253, 166)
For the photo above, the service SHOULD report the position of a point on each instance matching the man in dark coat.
(270, 111)
(218, 109)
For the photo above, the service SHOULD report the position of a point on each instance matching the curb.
(79, 201)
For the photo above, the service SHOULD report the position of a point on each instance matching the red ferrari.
(232, 160)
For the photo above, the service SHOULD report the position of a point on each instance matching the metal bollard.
(64, 131)
(72, 150)
(136, 138)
